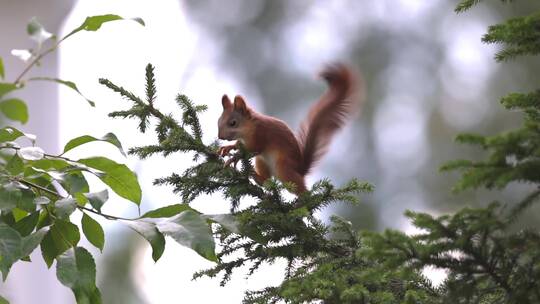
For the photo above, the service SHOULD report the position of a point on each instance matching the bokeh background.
(428, 78)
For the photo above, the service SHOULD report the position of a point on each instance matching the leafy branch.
(39, 191)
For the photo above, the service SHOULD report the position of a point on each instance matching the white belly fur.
(270, 161)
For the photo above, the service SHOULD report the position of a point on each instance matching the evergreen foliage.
(486, 259)
(513, 155)
(520, 36)
(274, 227)
(467, 4)
(335, 270)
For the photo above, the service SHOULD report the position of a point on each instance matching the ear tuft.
(226, 102)
(240, 104)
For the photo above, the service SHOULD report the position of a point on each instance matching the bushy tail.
(329, 114)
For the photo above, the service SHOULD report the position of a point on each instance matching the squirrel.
(278, 151)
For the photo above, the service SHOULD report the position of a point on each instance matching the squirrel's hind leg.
(286, 173)
(262, 172)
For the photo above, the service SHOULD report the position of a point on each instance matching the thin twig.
(44, 154)
(28, 183)
(107, 216)
(34, 62)
(36, 186)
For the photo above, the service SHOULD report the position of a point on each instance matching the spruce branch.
(465, 5)
(274, 227)
(520, 36)
(150, 85)
(139, 109)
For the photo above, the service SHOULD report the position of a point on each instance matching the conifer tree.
(334, 269)
(487, 260)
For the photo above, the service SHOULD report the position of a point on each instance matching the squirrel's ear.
(240, 104)
(226, 102)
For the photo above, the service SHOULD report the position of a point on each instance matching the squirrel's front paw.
(225, 150)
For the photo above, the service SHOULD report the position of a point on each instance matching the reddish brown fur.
(328, 115)
(279, 152)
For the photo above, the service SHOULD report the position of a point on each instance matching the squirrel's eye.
(232, 123)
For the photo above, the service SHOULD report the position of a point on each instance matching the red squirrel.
(278, 151)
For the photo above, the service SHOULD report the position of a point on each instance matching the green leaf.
(6, 88)
(97, 199)
(69, 84)
(2, 72)
(93, 23)
(2, 299)
(228, 221)
(31, 153)
(167, 211)
(62, 236)
(26, 202)
(44, 220)
(191, 230)
(48, 163)
(109, 137)
(117, 176)
(39, 176)
(139, 20)
(9, 197)
(65, 207)
(49, 175)
(150, 232)
(10, 248)
(15, 165)
(18, 214)
(27, 224)
(7, 218)
(37, 32)
(80, 198)
(10, 134)
(30, 243)
(76, 269)
(93, 231)
(74, 182)
(15, 109)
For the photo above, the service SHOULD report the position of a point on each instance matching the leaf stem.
(44, 154)
(35, 61)
(36, 186)
(107, 216)
(41, 188)
(40, 56)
